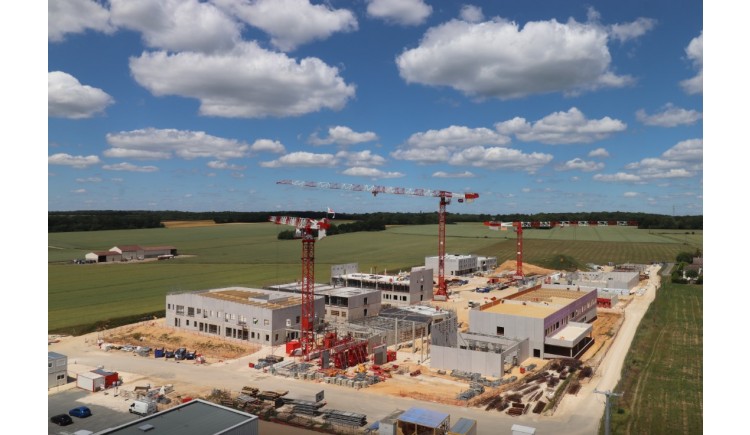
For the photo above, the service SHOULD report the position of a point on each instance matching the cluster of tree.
(681, 274)
(111, 219)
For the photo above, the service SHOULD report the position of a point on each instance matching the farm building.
(255, 315)
(57, 368)
(136, 252)
(537, 322)
(343, 304)
(103, 257)
(90, 381)
(462, 265)
(194, 417)
(403, 289)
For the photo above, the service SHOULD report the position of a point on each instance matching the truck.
(142, 407)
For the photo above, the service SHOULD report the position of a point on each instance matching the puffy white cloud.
(341, 135)
(68, 98)
(670, 116)
(499, 59)
(155, 144)
(694, 52)
(471, 13)
(500, 158)
(177, 25)
(79, 191)
(580, 165)
(359, 171)
(74, 161)
(403, 12)
(599, 152)
(690, 150)
(626, 31)
(124, 166)
(562, 128)
(218, 164)
(267, 145)
(89, 180)
(360, 158)
(456, 136)
(630, 194)
(245, 82)
(302, 159)
(423, 155)
(465, 174)
(291, 23)
(618, 177)
(75, 16)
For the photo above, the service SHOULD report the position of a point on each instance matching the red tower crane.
(304, 230)
(445, 199)
(519, 226)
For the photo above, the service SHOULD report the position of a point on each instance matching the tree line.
(62, 221)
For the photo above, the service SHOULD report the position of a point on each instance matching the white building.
(343, 304)
(57, 368)
(461, 265)
(238, 313)
(403, 289)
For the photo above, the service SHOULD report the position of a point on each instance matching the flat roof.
(254, 297)
(538, 303)
(424, 417)
(196, 417)
(55, 355)
(373, 277)
(325, 289)
(463, 425)
(571, 331)
(519, 309)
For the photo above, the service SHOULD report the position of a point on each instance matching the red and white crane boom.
(445, 199)
(304, 230)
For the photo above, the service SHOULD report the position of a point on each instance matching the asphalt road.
(577, 415)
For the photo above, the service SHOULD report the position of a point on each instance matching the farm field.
(251, 255)
(662, 378)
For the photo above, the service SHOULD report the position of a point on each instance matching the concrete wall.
(455, 265)
(344, 269)
(516, 327)
(263, 325)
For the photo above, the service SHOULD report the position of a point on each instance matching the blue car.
(80, 412)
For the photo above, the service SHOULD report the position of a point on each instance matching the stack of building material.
(345, 418)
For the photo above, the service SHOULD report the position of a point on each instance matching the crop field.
(662, 379)
(251, 255)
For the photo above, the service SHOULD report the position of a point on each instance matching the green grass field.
(250, 255)
(662, 379)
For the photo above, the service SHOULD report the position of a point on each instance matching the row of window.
(388, 296)
(228, 317)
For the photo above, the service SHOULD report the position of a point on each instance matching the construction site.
(514, 338)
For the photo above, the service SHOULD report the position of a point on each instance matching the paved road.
(577, 415)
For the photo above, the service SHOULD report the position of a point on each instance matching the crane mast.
(445, 198)
(305, 228)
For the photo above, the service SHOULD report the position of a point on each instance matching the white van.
(142, 407)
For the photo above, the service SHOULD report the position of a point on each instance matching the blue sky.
(538, 106)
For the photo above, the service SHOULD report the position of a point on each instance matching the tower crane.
(445, 199)
(519, 226)
(304, 230)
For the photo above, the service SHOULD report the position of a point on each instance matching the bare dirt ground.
(528, 269)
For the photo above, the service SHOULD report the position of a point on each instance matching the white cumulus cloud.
(630, 194)
(562, 128)
(403, 12)
(360, 158)
(502, 60)
(359, 171)
(74, 161)
(442, 174)
(684, 160)
(500, 158)
(302, 159)
(456, 136)
(632, 30)
(423, 155)
(76, 16)
(218, 164)
(268, 145)
(155, 144)
(245, 82)
(342, 135)
(68, 98)
(580, 165)
(670, 116)
(694, 52)
(618, 177)
(292, 23)
(471, 13)
(124, 166)
(177, 25)
(599, 152)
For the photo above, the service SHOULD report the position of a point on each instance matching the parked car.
(80, 412)
(169, 354)
(180, 353)
(61, 420)
(190, 355)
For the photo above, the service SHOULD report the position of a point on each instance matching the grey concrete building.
(462, 265)
(614, 282)
(196, 417)
(402, 289)
(343, 304)
(57, 368)
(236, 313)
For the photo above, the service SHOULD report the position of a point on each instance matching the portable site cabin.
(110, 378)
(90, 381)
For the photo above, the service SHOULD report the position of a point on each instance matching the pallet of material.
(539, 407)
(515, 412)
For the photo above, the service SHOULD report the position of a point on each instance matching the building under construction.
(462, 265)
(402, 289)
(343, 304)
